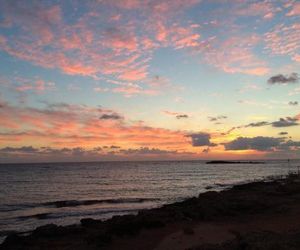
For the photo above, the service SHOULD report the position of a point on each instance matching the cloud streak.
(285, 122)
(261, 143)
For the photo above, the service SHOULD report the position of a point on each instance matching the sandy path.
(218, 232)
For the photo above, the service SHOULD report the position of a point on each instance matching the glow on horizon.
(149, 79)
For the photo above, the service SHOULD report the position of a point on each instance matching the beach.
(257, 215)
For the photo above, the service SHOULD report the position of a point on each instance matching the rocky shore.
(257, 215)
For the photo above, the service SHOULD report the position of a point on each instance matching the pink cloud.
(37, 86)
(262, 8)
(153, 6)
(235, 55)
(296, 57)
(295, 11)
(283, 40)
(132, 90)
(76, 49)
(133, 74)
(184, 37)
(116, 48)
(118, 40)
(150, 86)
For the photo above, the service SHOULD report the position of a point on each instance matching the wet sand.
(258, 215)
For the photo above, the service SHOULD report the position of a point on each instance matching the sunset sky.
(149, 79)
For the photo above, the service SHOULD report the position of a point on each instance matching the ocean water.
(32, 195)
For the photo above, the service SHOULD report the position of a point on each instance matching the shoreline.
(162, 226)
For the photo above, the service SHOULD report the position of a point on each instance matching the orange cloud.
(84, 128)
(75, 125)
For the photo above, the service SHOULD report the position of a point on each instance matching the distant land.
(235, 162)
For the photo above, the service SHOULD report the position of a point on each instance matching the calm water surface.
(32, 195)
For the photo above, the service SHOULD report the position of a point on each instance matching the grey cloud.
(252, 124)
(257, 124)
(77, 151)
(291, 143)
(285, 122)
(59, 105)
(201, 139)
(14, 154)
(283, 133)
(112, 116)
(216, 118)
(293, 103)
(147, 151)
(229, 131)
(282, 122)
(176, 114)
(183, 116)
(259, 143)
(25, 149)
(282, 79)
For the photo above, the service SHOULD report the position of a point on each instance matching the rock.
(90, 223)
(49, 230)
(13, 242)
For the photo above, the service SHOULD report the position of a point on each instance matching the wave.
(73, 203)
(40, 216)
(59, 215)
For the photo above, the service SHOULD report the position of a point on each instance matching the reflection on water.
(63, 193)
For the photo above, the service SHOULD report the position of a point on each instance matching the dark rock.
(13, 242)
(99, 238)
(49, 230)
(90, 223)
(209, 195)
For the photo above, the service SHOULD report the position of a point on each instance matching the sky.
(149, 80)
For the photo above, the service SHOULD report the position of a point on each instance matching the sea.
(33, 195)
